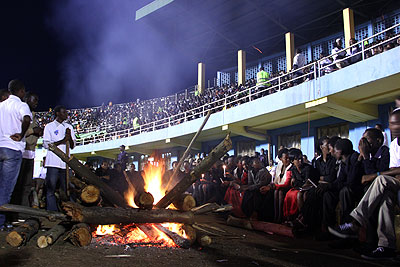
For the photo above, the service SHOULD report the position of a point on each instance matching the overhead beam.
(152, 7)
(183, 143)
(245, 131)
(343, 109)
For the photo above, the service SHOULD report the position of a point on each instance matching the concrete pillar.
(348, 23)
(241, 67)
(201, 77)
(289, 40)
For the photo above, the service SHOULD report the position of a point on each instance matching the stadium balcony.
(342, 102)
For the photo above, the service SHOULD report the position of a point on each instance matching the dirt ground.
(241, 248)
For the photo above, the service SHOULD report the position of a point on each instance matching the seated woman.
(279, 186)
(300, 175)
(233, 194)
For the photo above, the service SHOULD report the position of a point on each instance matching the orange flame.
(153, 173)
(105, 229)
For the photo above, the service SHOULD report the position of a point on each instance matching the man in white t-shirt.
(299, 60)
(22, 188)
(57, 132)
(378, 202)
(15, 118)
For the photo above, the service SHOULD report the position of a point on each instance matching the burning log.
(188, 180)
(178, 240)
(51, 236)
(80, 235)
(190, 233)
(109, 215)
(50, 215)
(185, 202)
(23, 233)
(144, 200)
(261, 226)
(90, 178)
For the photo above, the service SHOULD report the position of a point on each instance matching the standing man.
(15, 118)
(262, 77)
(57, 132)
(264, 158)
(122, 157)
(23, 187)
(299, 60)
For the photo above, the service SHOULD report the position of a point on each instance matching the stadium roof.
(212, 31)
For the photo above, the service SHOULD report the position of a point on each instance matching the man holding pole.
(59, 133)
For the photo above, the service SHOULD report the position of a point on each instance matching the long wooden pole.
(110, 215)
(189, 179)
(51, 215)
(67, 169)
(178, 166)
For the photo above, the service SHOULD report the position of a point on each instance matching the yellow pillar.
(348, 23)
(201, 77)
(289, 40)
(241, 67)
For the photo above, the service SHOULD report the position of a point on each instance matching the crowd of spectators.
(121, 120)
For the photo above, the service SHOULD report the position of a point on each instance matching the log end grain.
(14, 239)
(185, 203)
(42, 242)
(144, 200)
(204, 240)
(90, 194)
(80, 235)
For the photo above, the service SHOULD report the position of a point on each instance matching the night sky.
(29, 51)
(85, 53)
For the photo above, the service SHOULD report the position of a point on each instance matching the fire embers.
(141, 235)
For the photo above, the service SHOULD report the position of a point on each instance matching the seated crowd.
(303, 195)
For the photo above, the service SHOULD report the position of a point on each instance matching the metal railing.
(311, 71)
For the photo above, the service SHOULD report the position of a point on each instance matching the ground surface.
(241, 248)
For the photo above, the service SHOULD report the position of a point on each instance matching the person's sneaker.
(380, 253)
(347, 230)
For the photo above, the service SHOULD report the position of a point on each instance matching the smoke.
(111, 57)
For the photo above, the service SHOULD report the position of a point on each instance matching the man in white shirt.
(23, 186)
(57, 132)
(299, 60)
(378, 202)
(338, 56)
(15, 118)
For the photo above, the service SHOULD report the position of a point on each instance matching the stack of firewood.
(76, 217)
